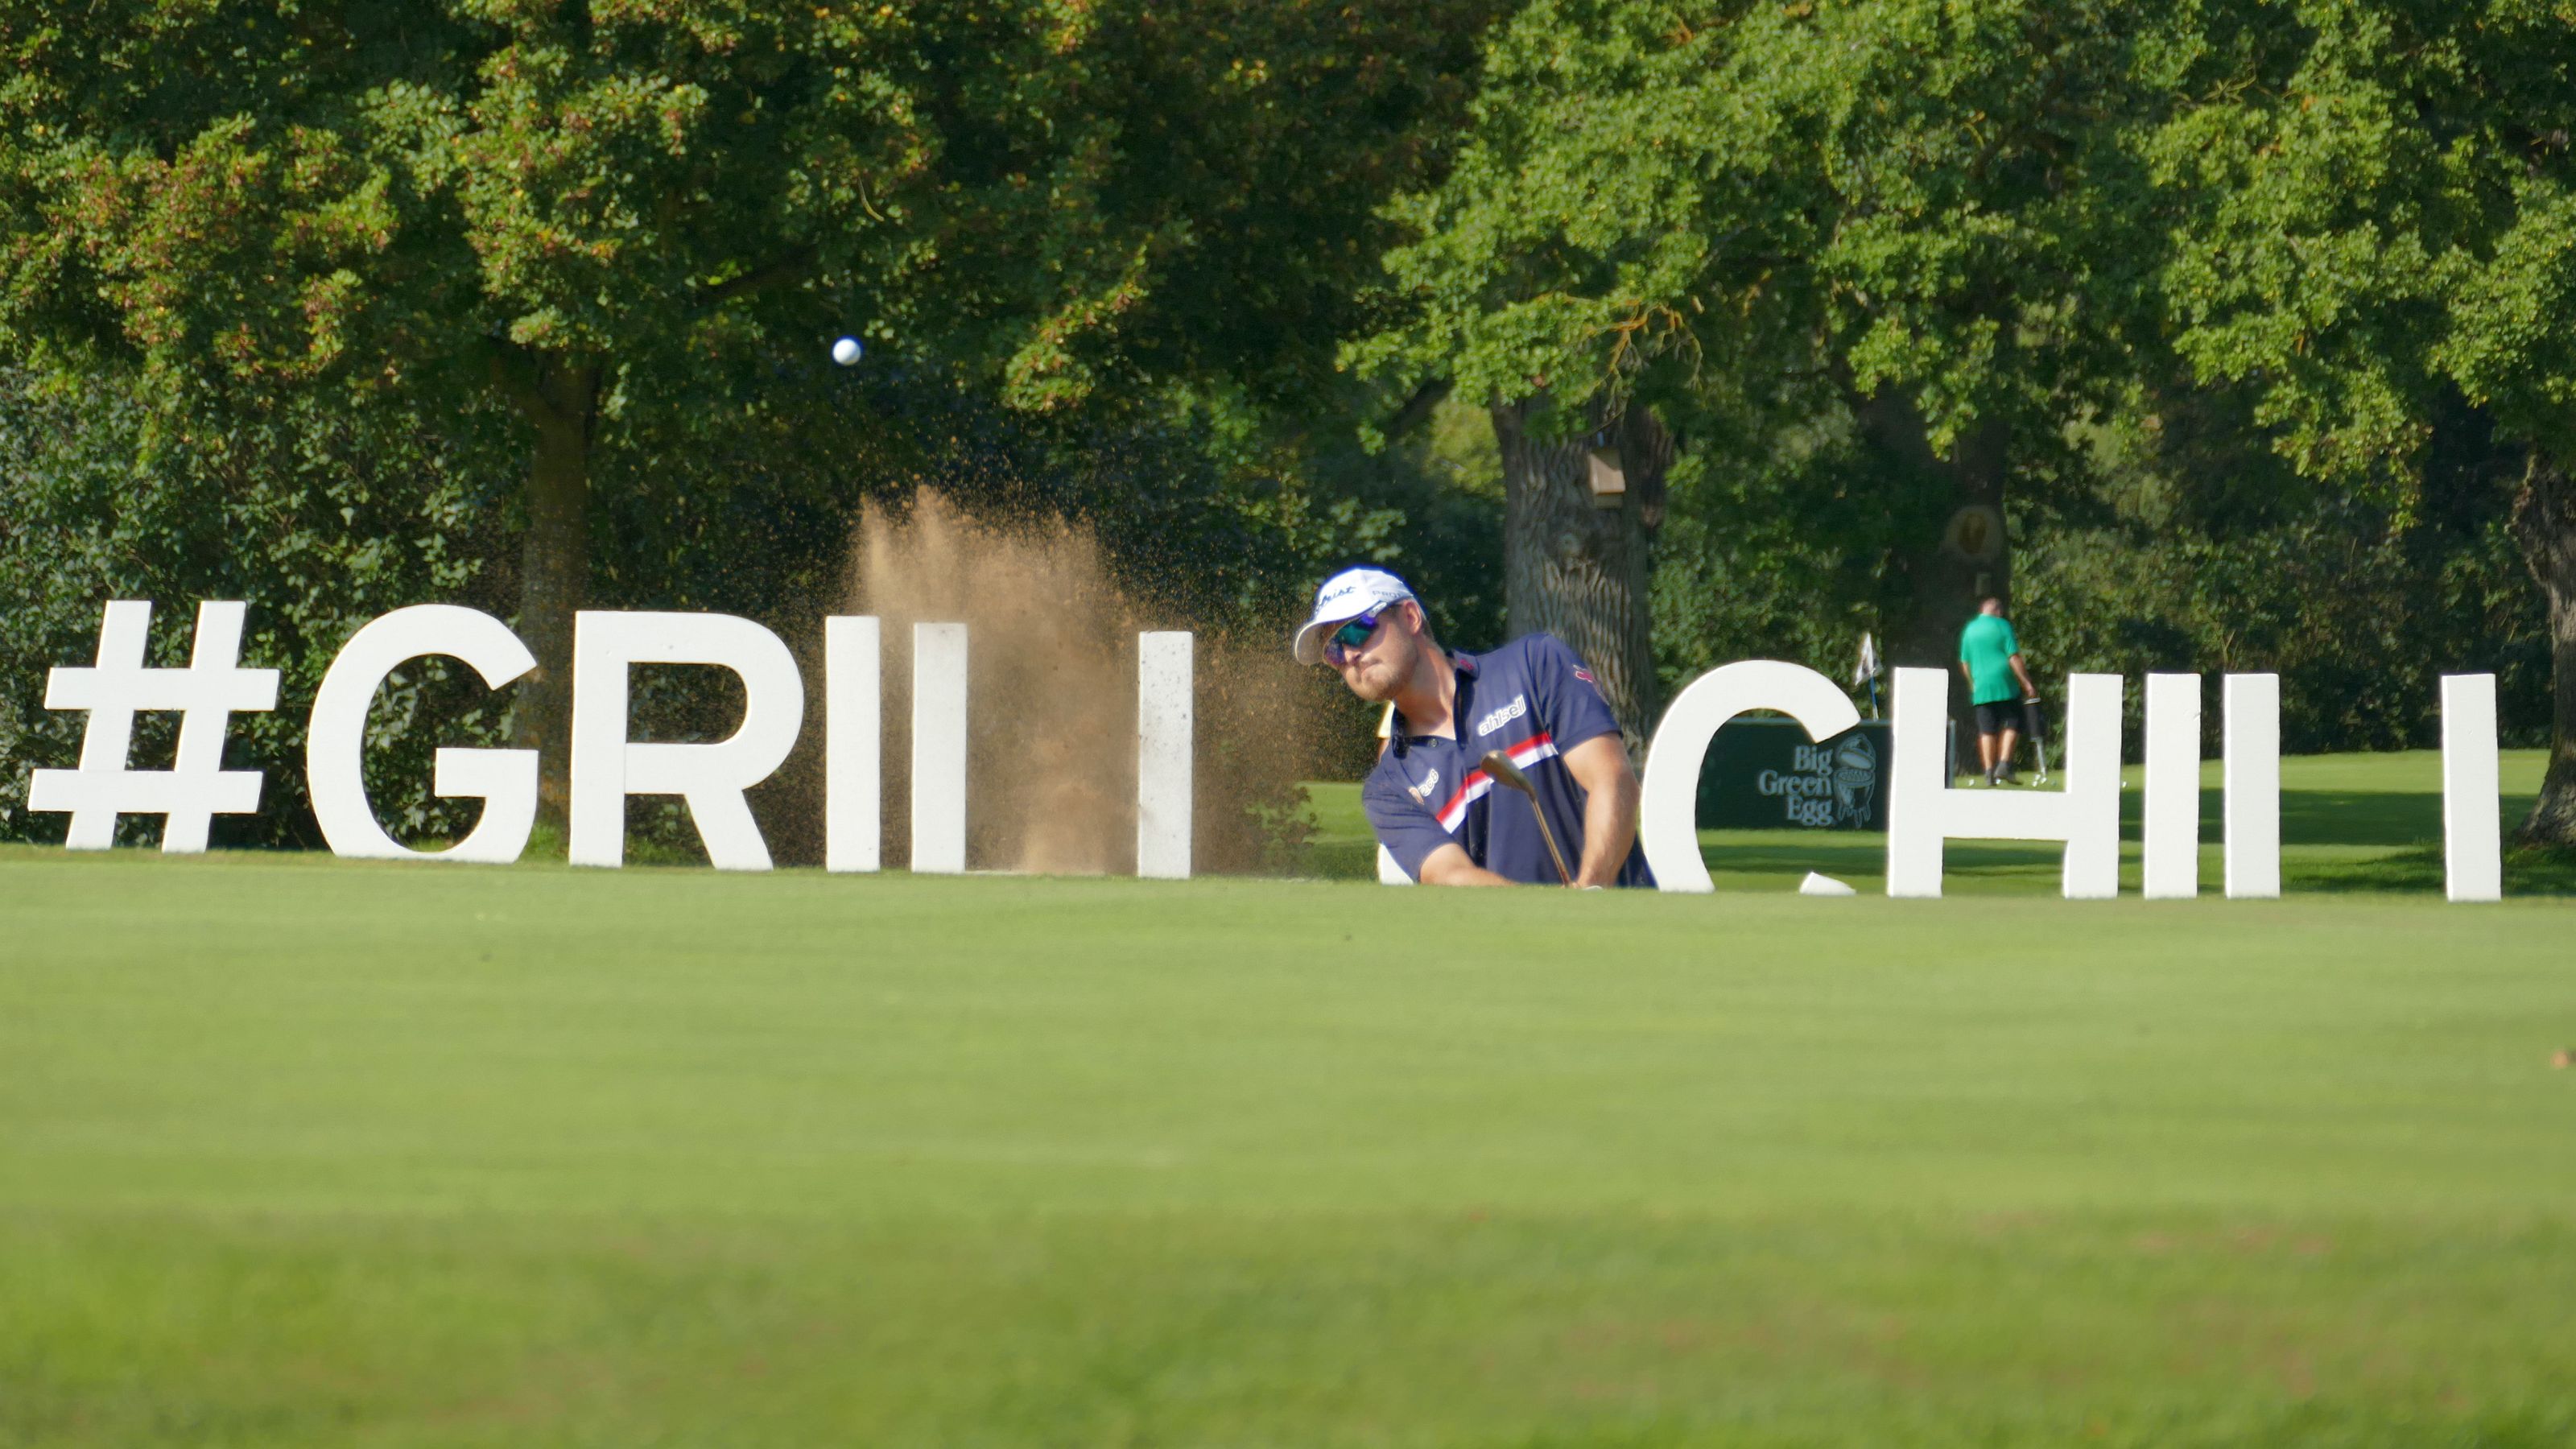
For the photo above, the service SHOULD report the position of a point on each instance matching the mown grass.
(2348, 823)
(302, 1152)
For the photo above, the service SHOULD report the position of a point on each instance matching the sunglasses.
(1350, 636)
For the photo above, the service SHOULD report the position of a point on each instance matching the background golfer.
(1432, 804)
(1998, 682)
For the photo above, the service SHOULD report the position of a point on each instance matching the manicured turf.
(2348, 822)
(296, 1152)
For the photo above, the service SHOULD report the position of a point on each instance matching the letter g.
(335, 774)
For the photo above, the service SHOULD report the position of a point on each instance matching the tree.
(2376, 211)
(324, 514)
(600, 210)
(1900, 197)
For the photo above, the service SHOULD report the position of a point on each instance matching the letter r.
(607, 766)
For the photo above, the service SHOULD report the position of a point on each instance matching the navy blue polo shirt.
(1533, 699)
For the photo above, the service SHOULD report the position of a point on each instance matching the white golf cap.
(1346, 595)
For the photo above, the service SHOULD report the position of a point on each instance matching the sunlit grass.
(2348, 822)
(303, 1152)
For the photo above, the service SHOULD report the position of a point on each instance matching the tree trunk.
(1969, 559)
(2544, 523)
(560, 399)
(1578, 570)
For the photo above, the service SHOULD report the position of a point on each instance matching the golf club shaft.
(1499, 767)
(1549, 835)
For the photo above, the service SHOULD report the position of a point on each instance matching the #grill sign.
(608, 765)
(1760, 742)
(1766, 774)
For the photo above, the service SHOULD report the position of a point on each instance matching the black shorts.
(1998, 716)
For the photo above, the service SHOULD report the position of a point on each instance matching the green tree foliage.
(2249, 318)
(599, 212)
(1886, 260)
(2210, 555)
(1901, 205)
(2176, 540)
(2373, 213)
(322, 514)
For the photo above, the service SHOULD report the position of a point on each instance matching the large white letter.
(196, 787)
(1923, 811)
(1668, 816)
(335, 738)
(2253, 725)
(853, 743)
(938, 749)
(607, 767)
(1164, 719)
(2170, 813)
(2472, 816)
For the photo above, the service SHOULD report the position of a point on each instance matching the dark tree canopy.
(592, 209)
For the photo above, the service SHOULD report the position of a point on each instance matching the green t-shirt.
(1987, 646)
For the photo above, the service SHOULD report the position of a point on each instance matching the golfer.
(1430, 800)
(1990, 658)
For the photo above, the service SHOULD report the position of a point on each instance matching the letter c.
(1667, 823)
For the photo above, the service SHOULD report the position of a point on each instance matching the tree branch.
(786, 269)
(1416, 408)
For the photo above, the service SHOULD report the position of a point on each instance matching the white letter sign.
(1923, 811)
(1668, 814)
(853, 743)
(607, 767)
(2253, 744)
(938, 749)
(335, 738)
(1164, 717)
(2169, 822)
(2472, 817)
(196, 787)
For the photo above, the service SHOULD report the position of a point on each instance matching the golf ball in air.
(846, 351)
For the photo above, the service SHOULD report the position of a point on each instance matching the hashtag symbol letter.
(196, 787)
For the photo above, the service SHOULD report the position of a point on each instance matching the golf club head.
(1500, 766)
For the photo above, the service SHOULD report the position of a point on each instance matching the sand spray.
(1051, 764)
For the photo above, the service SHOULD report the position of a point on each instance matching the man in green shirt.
(1990, 657)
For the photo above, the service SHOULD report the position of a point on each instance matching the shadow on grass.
(2333, 840)
(2366, 818)
(2336, 817)
(2527, 872)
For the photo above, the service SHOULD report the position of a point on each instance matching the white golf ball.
(846, 351)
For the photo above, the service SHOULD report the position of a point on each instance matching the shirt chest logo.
(1501, 717)
(1423, 790)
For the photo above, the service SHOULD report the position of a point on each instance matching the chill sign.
(1832, 774)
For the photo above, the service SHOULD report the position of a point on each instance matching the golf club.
(1500, 767)
(2035, 724)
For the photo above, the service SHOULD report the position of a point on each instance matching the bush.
(2360, 620)
(319, 512)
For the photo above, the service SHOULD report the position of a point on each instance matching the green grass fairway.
(296, 1152)
(2348, 822)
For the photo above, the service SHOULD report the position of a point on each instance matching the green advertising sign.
(1765, 774)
